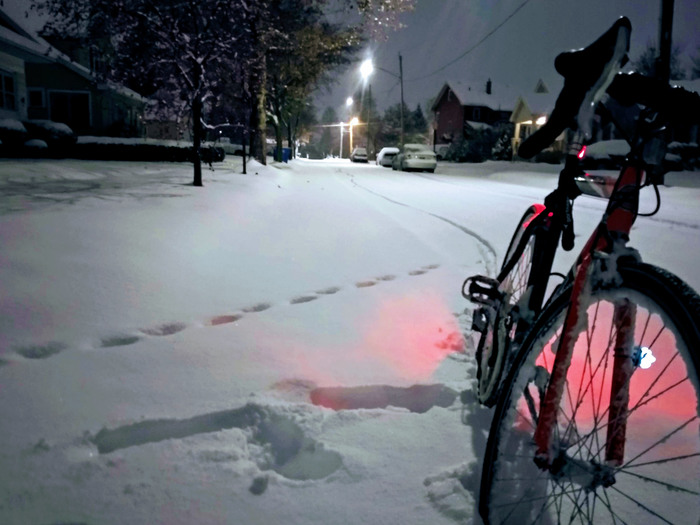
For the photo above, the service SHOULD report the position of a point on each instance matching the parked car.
(441, 151)
(415, 157)
(309, 151)
(358, 155)
(386, 156)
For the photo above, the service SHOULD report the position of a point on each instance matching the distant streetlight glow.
(540, 121)
(349, 102)
(353, 122)
(366, 68)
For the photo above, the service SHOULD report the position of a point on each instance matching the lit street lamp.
(352, 123)
(366, 70)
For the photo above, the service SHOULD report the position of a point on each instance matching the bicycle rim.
(657, 481)
(495, 342)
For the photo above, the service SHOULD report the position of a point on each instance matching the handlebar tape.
(582, 70)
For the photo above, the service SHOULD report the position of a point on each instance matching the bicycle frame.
(615, 227)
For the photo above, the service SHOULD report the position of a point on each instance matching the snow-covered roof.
(473, 93)
(32, 48)
(503, 97)
(477, 125)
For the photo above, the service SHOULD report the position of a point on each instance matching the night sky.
(520, 52)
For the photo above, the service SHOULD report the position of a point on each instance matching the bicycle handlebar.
(591, 72)
(587, 74)
(676, 104)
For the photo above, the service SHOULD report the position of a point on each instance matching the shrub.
(56, 135)
(483, 144)
(104, 148)
(13, 135)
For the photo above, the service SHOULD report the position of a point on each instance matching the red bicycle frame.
(616, 224)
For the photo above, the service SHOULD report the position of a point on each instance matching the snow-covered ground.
(282, 347)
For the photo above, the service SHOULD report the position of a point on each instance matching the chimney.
(488, 86)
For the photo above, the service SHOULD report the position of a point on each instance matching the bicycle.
(596, 386)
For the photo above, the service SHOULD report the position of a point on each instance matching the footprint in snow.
(303, 299)
(329, 291)
(387, 277)
(118, 340)
(164, 329)
(365, 284)
(257, 308)
(225, 319)
(288, 450)
(417, 272)
(41, 351)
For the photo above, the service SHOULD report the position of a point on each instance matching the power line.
(460, 57)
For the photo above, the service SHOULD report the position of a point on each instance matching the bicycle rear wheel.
(495, 341)
(658, 479)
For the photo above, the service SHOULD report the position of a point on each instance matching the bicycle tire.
(494, 343)
(658, 480)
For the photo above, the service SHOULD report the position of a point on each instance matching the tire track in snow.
(487, 251)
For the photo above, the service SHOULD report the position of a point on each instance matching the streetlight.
(366, 69)
(352, 123)
(400, 78)
(340, 153)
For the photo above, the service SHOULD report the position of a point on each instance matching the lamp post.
(352, 123)
(366, 69)
(340, 153)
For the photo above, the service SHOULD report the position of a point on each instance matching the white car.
(415, 157)
(386, 156)
(359, 155)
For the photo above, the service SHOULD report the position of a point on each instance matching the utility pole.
(401, 80)
(369, 116)
(663, 61)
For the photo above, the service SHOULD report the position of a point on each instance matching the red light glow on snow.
(399, 340)
(412, 334)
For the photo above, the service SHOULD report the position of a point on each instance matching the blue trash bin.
(286, 154)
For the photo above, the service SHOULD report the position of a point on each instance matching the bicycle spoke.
(606, 503)
(660, 461)
(640, 504)
(663, 439)
(664, 484)
(658, 423)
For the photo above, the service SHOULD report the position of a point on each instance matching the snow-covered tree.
(172, 49)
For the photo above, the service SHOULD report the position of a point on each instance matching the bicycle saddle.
(587, 74)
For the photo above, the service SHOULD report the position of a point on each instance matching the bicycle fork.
(549, 453)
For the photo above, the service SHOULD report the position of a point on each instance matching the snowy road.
(166, 352)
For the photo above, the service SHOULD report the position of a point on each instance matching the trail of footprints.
(43, 351)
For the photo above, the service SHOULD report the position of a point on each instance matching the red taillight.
(582, 153)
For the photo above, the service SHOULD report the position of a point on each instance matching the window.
(476, 114)
(36, 98)
(7, 91)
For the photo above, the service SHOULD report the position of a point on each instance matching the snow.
(279, 347)
(12, 124)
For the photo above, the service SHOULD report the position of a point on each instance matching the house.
(461, 107)
(531, 112)
(41, 83)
